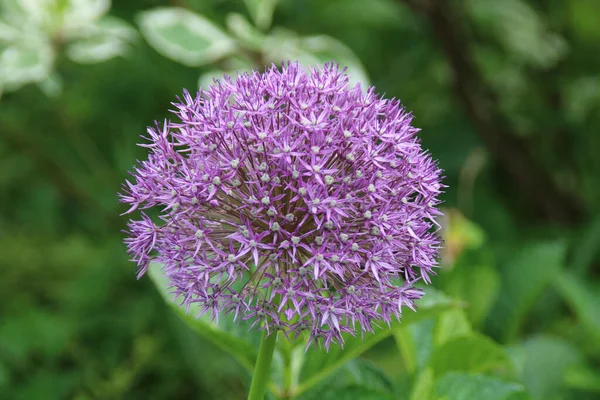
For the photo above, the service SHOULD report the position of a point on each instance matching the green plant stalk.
(406, 345)
(261, 373)
(288, 351)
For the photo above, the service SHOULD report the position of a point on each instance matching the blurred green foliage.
(507, 95)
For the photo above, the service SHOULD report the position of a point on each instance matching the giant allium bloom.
(289, 199)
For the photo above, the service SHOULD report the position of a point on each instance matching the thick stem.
(288, 377)
(261, 373)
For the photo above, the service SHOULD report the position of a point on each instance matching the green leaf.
(583, 297)
(407, 347)
(475, 353)
(81, 12)
(25, 63)
(584, 378)
(232, 337)
(357, 380)
(314, 51)
(320, 364)
(424, 386)
(422, 333)
(243, 30)
(480, 297)
(107, 38)
(545, 361)
(184, 36)
(461, 386)
(451, 324)
(524, 276)
(96, 49)
(232, 66)
(261, 12)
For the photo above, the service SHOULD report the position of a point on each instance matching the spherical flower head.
(291, 200)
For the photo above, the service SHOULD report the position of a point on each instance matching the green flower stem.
(406, 345)
(288, 372)
(262, 370)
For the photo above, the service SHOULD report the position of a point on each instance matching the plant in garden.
(33, 33)
(195, 40)
(289, 199)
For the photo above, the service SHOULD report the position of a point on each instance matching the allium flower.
(291, 200)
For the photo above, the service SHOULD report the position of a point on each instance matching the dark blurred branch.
(483, 109)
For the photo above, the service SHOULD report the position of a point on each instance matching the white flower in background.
(32, 32)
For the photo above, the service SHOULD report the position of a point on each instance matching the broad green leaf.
(243, 30)
(407, 347)
(320, 364)
(477, 284)
(97, 49)
(583, 297)
(583, 377)
(544, 362)
(232, 66)
(424, 386)
(461, 386)
(313, 51)
(474, 353)
(184, 36)
(261, 12)
(105, 39)
(79, 15)
(451, 324)
(194, 348)
(232, 337)
(326, 49)
(86, 10)
(422, 333)
(116, 27)
(357, 380)
(524, 276)
(25, 63)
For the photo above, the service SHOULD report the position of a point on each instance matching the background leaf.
(358, 380)
(313, 51)
(261, 11)
(584, 299)
(424, 386)
(320, 364)
(184, 36)
(459, 386)
(24, 63)
(524, 276)
(544, 360)
(473, 353)
(228, 335)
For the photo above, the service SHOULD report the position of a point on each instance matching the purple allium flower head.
(291, 200)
